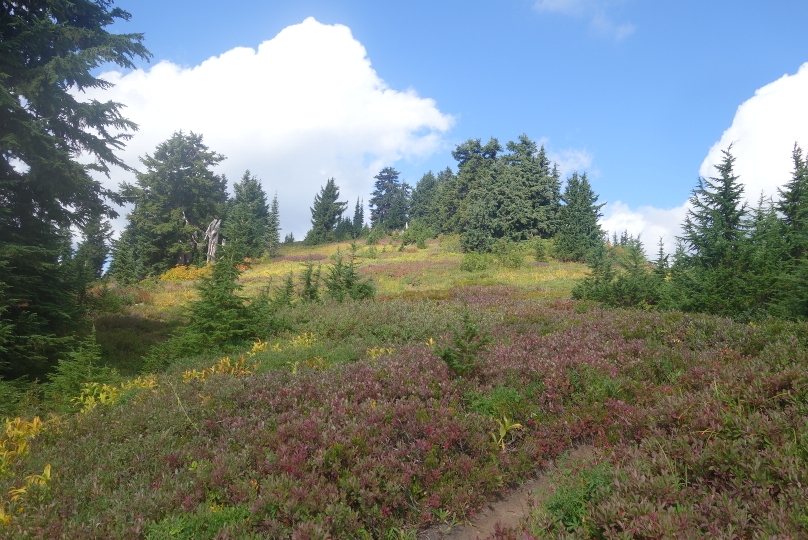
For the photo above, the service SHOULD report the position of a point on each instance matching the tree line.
(497, 195)
(731, 259)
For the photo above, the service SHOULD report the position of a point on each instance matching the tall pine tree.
(518, 200)
(389, 203)
(273, 233)
(793, 206)
(714, 237)
(175, 199)
(51, 52)
(358, 222)
(247, 216)
(579, 231)
(326, 213)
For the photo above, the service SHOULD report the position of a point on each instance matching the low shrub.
(185, 273)
(476, 262)
(510, 255)
(462, 352)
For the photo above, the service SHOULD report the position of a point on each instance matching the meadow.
(380, 418)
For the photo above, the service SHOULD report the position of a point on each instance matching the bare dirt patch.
(508, 511)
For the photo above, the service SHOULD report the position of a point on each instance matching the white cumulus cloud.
(594, 10)
(763, 134)
(572, 160)
(301, 108)
(647, 222)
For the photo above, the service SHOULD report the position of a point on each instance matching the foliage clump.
(343, 280)
(462, 353)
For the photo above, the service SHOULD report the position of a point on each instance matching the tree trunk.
(212, 236)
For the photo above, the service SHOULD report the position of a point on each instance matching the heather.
(349, 423)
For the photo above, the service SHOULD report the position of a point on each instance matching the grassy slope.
(352, 427)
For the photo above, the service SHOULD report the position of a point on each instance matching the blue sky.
(635, 92)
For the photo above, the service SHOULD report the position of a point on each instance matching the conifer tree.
(714, 237)
(793, 205)
(326, 212)
(579, 231)
(220, 316)
(519, 200)
(389, 203)
(50, 54)
(126, 266)
(358, 223)
(273, 231)
(247, 218)
(716, 224)
(94, 249)
(175, 199)
(474, 162)
(765, 255)
(445, 205)
(423, 198)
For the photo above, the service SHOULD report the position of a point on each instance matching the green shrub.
(343, 280)
(373, 237)
(632, 284)
(201, 525)
(592, 386)
(81, 366)
(126, 339)
(475, 262)
(499, 401)
(10, 397)
(509, 254)
(417, 234)
(540, 249)
(461, 354)
(370, 253)
(576, 490)
(106, 299)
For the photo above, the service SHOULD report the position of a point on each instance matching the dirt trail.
(508, 511)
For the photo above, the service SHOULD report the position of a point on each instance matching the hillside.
(379, 418)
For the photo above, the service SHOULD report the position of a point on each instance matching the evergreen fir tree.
(716, 224)
(474, 161)
(126, 266)
(93, 251)
(343, 280)
(248, 217)
(714, 235)
(50, 54)
(220, 316)
(175, 199)
(793, 205)
(765, 259)
(358, 223)
(519, 200)
(273, 230)
(81, 366)
(326, 213)
(344, 229)
(579, 231)
(423, 200)
(389, 203)
(444, 205)
(310, 282)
